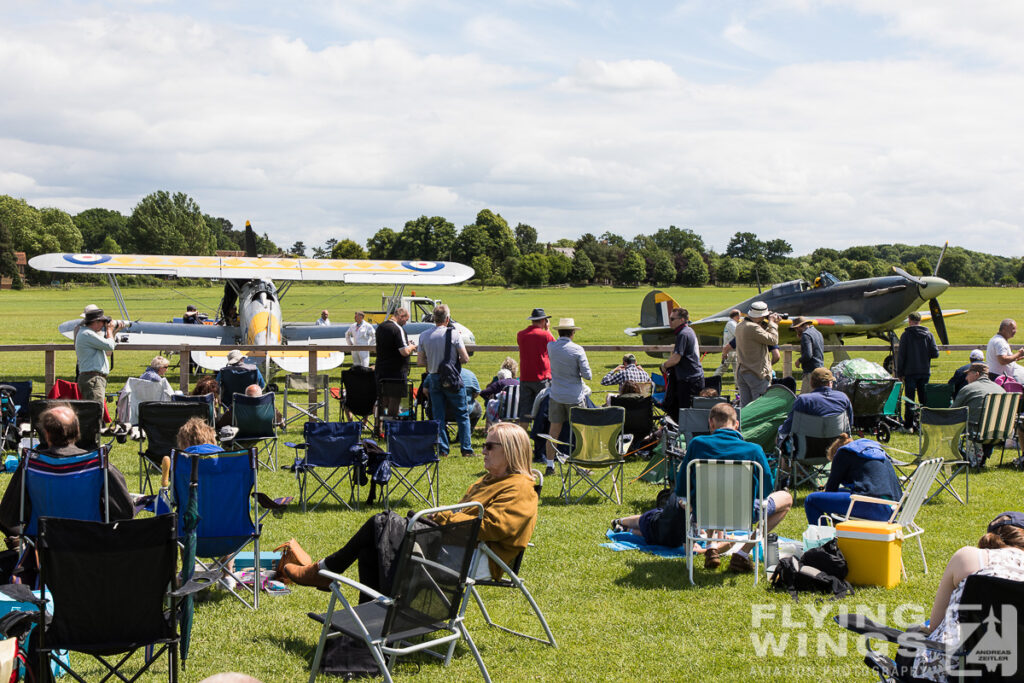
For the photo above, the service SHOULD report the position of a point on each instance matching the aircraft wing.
(835, 323)
(926, 315)
(245, 268)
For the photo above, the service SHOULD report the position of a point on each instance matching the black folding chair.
(428, 589)
(639, 416)
(88, 412)
(360, 395)
(159, 422)
(110, 586)
(235, 380)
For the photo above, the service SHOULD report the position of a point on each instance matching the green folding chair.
(597, 443)
(941, 436)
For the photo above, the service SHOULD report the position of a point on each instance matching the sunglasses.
(491, 444)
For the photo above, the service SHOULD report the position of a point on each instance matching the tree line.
(166, 223)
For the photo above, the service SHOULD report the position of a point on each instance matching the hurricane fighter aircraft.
(249, 286)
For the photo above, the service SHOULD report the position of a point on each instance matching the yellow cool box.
(873, 551)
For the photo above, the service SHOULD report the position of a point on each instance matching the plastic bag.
(816, 536)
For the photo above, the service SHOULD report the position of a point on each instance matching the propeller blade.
(904, 274)
(939, 262)
(250, 241)
(938, 320)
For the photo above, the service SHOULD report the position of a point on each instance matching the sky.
(825, 123)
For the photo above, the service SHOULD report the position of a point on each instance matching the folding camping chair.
(138, 391)
(904, 510)
(804, 452)
(725, 491)
(360, 392)
(480, 572)
(235, 380)
(159, 422)
(88, 413)
(72, 488)
(996, 424)
(110, 583)
(14, 399)
(300, 406)
(426, 594)
(941, 436)
(508, 404)
(229, 515)
(331, 447)
(414, 458)
(938, 395)
(987, 603)
(396, 394)
(708, 402)
(639, 421)
(256, 420)
(596, 442)
(204, 399)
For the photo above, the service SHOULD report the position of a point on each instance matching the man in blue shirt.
(723, 443)
(450, 402)
(569, 367)
(822, 400)
(812, 349)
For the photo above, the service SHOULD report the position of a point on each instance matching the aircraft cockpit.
(825, 279)
(262, 287)
(791, 287)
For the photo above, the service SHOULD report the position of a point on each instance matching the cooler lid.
(867, 530)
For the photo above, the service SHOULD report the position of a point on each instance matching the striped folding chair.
(995, 426)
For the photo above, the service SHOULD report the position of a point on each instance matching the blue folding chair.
(332, 446)
(22, 395)
(69, 488)
(201, 398)
(229, 518)
(413, 458)
(255, 419)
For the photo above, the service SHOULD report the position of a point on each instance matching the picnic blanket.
(625, 540)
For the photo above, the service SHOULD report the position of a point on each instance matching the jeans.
(822, 502)
(451, 404)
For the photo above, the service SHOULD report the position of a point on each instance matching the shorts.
(768, 504)
(527, 393)
(664, 526)
(558, 413)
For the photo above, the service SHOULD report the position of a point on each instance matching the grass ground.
(617, 616)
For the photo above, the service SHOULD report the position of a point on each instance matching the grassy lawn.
(617, 616)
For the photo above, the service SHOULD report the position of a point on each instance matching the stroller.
(874, 407)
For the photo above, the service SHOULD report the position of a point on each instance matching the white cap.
(977, 355)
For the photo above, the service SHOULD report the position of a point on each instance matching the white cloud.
(628, 74)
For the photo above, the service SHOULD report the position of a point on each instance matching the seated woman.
(157, 370)
(493, 396)
(510, 513)
(207, 385)
(196, 436)
(860, 467)
(1000, 553)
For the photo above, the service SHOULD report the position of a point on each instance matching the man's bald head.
(723, 416)
(253, 390)
(60, 424)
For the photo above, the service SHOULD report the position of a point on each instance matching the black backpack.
(450, 371)
(820, 570)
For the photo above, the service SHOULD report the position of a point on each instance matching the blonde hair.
(511, 365)
(515, 442)
(196, 431)
(159, 362)
(840, 441)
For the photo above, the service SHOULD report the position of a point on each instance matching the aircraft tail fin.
(655, 309)
(250, 241)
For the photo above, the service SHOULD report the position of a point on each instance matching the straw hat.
(567, 324)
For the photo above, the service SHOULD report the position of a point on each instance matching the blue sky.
(826, 123)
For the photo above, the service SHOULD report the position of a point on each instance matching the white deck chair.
(905, 509)
(141, 390)
(724, 490)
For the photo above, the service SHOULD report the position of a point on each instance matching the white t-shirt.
(360, 334)
(1000, 346)
(729, 332)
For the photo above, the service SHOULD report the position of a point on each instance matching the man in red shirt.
(534, 366)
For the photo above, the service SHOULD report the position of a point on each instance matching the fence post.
(787, 363)
(184, 364)
(313, 396)
(50, 369)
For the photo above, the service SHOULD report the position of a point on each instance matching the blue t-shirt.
(723, 444)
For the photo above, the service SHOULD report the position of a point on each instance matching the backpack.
(450, 371)
(820, 570)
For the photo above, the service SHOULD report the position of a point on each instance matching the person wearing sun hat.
(569, 367)
(812, 349)
(756, 334)
(534, 364)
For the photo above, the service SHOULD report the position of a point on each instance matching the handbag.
(450, 371)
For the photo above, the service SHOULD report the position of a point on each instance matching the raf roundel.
(87, 259)
(423, 266)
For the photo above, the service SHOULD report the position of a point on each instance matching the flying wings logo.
(423, 266)
(86, 259)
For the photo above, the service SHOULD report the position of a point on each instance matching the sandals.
(617, 526)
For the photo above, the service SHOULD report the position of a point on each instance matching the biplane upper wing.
(245, 268)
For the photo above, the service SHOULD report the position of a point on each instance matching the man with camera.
(756, 334)
(92, 343)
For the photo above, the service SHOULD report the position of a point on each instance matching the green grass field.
(617, 616)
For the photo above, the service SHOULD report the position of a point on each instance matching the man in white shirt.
(1001, 359)
(729, 353)
(324, 318)
(360, 333)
